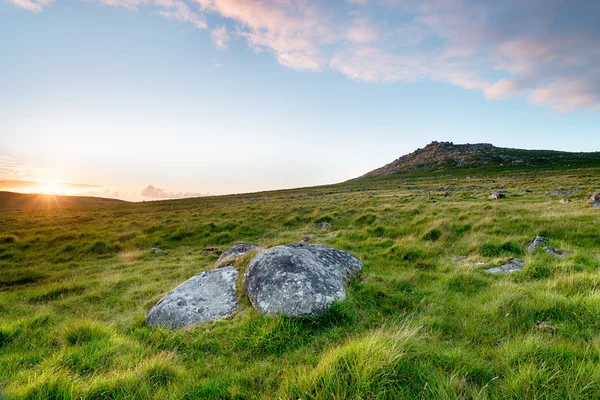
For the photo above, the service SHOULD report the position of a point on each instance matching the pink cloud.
(31, 5)
(220, 37)
(546, 50)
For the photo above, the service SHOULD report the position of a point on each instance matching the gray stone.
(156, 250)
(536, 242)
(459, 258)
(207, 296)
(594, 201)
(306, 239)
(496, 196)
(555, 252)
(527, 191)
(297, 279)
(512, 265)
(239, 250)
(564, 201)
(559, 192)
(323, 225)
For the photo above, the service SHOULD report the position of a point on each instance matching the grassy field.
(76, 283)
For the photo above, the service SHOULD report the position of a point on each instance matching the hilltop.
(35, 202)
(444, 155)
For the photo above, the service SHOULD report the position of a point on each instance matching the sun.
(51, 188)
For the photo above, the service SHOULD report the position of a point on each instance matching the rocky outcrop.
(440, 155)
(297, 279)
(512, 265)
(239, 250)
(536, 242)
(555, 252)
(207, 296)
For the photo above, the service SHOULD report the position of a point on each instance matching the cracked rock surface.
(207, 296)
(298, 279)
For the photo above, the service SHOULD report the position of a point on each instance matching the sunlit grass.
(76, 283)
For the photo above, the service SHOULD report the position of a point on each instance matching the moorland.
(76, 283)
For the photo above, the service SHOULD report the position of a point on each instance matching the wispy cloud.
(546, 50)
(31, 5)
(220, 37)
(158, 193)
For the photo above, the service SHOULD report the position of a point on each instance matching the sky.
(155, 99)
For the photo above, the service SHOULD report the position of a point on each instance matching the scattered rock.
(447, 194)
(594, 201)
(565, 201)
(555, 252)
(496, 196)
(323, 225)
(459, 258)
(298, 279)
(544, 326)
(536, 242)
(207, 296)
(558, 192)
(306, 239)
(239, 250)
(527, 191)
(514, 264)
(156, 250)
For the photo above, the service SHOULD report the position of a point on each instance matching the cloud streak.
(158, 193)
(545, 50)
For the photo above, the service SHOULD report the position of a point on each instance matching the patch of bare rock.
(514, 264)
(496, 196)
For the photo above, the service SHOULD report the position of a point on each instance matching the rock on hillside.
(205, 297)
(438, 155)
(298, 279)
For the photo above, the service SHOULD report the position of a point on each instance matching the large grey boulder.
(297, 279)
(207, 296)
(239, 250)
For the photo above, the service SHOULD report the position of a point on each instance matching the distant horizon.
(71, 188)
(164, 99)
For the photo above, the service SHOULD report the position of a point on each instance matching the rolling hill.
(445, 155)
(35, 202)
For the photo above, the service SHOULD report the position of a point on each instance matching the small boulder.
(594, 201)
(323, 225)
(239, 250)
(447, 194)
(496, 196)
(156, 250)
(535, 243)
(563, 192)
(298, 280)
(306, 239)
(459, 258)
(514, 264)
(565, 201)
(555, 252)
(208, 296)
(527, 191)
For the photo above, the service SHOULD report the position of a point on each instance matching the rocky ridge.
(438, 155)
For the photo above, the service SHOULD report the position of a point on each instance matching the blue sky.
(224, 96)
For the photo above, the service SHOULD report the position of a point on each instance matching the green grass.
(76, 284)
